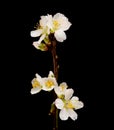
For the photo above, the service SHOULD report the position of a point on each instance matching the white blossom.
(56, 25)
(60, 24)
(43, 30)
(43, 83)
(36, 84)
(49, 83)
(68, 105)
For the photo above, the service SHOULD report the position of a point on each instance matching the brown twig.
(55, 69)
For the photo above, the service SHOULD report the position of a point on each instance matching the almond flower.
(60, 91)
(68, 105)
(49, 82)
(50, 25)
(60, 24)
(46, 83)
(43, 31)
(36, 84)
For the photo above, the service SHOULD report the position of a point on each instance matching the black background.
(79, 60)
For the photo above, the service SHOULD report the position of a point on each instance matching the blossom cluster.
(50, 25)
(51, 29)
(65, 101)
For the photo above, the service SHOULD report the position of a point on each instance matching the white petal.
(36, 33)
(65, 26)
(57, 90)
(41, 38)
(72, 114)
(59, 103)
(78, 104)
(43, 21)
(38, 76)
(60, 35)
(51, 74)
(46, 21)
(63, 85)
(58, 16)
(50, 22)
(36, 45)
(35, 90)
(61, 89)
(69, 93)
(74, 98)
(63, 114)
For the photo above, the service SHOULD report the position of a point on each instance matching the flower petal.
(51, 74)
(39, 78)
(60, 91)
(76, 103)
(46, 21)
(49, 23)
(69, 93)
(57, 90)
(60, 35)
(37, 44)
(63, 114)
(58, 16)
(41, 38)
(74, 98)
(65, 26)
(43, 21)
(79, 105)
(72, 114)
(63, 85)
(36, 33)
(35, 90)
(59, 103)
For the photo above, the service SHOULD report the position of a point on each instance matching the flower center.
(62, 87)
(56, 24)
(62, 96)
(49, 83)
(35, 83)
(69, 105)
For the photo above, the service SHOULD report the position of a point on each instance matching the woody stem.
(55, 69)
